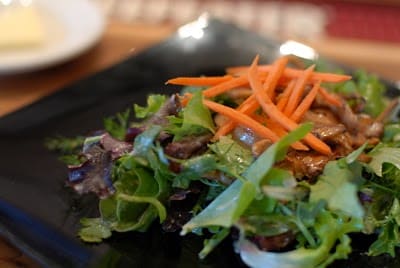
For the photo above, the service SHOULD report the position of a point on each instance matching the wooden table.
(121, 40)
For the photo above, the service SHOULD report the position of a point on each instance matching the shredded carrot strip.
(199, 81)
(306, 103)
(281, 113)
(272, 111)
(246, 107)
(284, 98)
(298, 91)
(224, 130)
(278, 128)
(225, 86)
(250, 105)
(242, 119)
(292, 73)
(273, 77)
(329, 97)
(185, 99)
(280, 131)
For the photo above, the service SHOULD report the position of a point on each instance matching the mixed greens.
(169, 168)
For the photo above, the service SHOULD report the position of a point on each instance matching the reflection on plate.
(42, 216)
(70, 28)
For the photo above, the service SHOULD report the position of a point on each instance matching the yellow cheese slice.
(21, 27)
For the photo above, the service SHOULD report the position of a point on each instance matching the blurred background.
(356, 32)
(360, 19)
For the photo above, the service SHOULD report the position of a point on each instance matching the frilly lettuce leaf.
(372, 90)
(339, 185)
(94, 230)
(141, 188)
(368, 86)
(230, 204)
(154, 103)
(384, 189)
(118, 124)
(391, 133)
(382, 154)
(331, 229)
(194, 119)
(226, 156)
(389, 237)
(234, 157)
(195, 113)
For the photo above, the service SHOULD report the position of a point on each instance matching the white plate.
(72, 27)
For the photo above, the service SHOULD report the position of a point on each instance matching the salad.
(290, 162)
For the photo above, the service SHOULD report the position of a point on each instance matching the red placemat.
(373, 20)
(364, 21)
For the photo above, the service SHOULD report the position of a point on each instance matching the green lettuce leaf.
(68, 148)
(230, 204)
(368, 86)
(94, 230)
(196, 114)
(389, 236)
(384, 212)
(194, 169)
(332, 232)
(391, 133)
(382, 154)
(117, 125)
(135, 204)
(338, 186)
(195, 119)
(141, 190)
(234, 157)
(154, 103)
(372, 90)
(144, 142)
(213, 242)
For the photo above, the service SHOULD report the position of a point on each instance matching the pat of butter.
(21, 27)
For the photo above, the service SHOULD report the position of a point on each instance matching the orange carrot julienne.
(272, 111)
(185, 99)
(246, 107)
(277, 127)
(253, 124)
(292, 73)
(298, 90)
(274, 75)
(280, 131)
(306, 103)
(262, 119)
(199, 81)
(250, 105)
(332, 99)
(224, 130)
(285, 95)
(225, 86)
(242, 119)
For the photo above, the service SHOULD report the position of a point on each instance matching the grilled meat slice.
(188, 146)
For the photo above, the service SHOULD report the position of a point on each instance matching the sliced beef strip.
(170, 107)
(304, 164)
(274, 243)
(188, 146)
